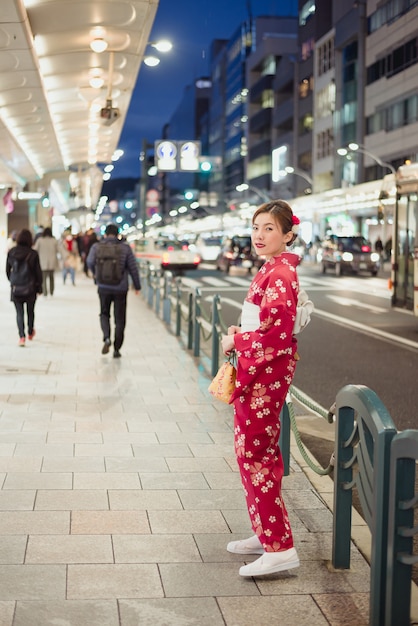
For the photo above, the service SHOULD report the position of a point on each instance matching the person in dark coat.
(21, 252)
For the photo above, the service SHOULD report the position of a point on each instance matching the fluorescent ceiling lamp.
(98, 45)
(96, 82)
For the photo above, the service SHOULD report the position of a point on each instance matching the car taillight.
(165, 259)
(229, 255)
(196, 260)
(170, 248)
(365, 248)
(185, 247)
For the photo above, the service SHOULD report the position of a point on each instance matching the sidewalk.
(120, 489)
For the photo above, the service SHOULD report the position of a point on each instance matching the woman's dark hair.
(282, 214)
(47, 232)
(24, 238)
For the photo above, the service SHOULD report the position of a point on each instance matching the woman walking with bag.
(265, 347)
(25, 275)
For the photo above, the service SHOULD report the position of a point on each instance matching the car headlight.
(347, 256)
(375, 257)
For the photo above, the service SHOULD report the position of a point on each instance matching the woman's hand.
(227, 343)
(233, 329)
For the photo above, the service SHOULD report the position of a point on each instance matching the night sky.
(190, 25)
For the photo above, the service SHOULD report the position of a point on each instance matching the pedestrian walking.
(47, 247)
(265, 347)
(111, 261)
(25, 275)
(69, 256)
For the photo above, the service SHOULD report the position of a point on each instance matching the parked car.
(348, 255)
(237, 252)
(165, 254)
(208, 248)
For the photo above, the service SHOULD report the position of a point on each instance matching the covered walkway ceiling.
(50, 116)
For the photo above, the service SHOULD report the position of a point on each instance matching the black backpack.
(21, 278)
(108, 270)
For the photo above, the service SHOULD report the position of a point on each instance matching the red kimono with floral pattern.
(266, 366)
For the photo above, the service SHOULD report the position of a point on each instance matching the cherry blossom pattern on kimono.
(275, 290)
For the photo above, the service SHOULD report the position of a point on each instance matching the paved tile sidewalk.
(120, 489)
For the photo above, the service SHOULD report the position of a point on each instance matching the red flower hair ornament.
(295, 222)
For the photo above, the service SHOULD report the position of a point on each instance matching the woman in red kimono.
(266, 353)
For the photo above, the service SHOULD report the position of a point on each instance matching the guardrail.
(369, 456)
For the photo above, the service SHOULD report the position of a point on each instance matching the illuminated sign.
(177, 156)
(166, 155)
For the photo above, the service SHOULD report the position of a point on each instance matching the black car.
(237, 251)
(348, 255)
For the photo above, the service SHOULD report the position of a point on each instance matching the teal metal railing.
(364, 432)
(369, 456)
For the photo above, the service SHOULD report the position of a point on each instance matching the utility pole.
(142, 190)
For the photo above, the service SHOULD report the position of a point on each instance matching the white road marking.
(360, 305)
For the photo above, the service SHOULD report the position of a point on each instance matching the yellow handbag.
(223, 385)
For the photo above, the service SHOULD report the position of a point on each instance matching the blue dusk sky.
(191, 26)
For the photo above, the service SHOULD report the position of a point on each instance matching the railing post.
(197, 324)
(215, 334)
(151, 287)
(190, 322)
(343, 476)
(178, 309)
(284, 439)
(158, 292)
(167, 298)
(401, 531)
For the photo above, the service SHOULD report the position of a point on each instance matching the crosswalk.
(309, 282)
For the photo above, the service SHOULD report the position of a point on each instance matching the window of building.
(306, 12)
(395, 116)
(389, 12)
(325, 56)
(325, 101)
(325, 144)
(305, 87)
(269, 66)
(267, 99)
(306, 124)
(307, 49)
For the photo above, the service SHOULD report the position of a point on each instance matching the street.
(354, 337)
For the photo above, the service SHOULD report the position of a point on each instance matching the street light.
(162, 46)
(261, 194)
(355, 147)
(298, 172)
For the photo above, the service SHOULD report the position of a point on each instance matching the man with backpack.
(111, 261)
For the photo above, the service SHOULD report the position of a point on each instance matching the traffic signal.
(191, 194)
(208, 164)
(205, 166)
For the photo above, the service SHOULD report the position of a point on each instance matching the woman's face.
(267, 236)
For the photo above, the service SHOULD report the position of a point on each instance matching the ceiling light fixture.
(98, 45)
(96, 82)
